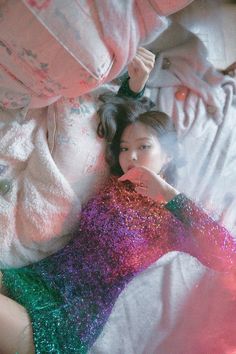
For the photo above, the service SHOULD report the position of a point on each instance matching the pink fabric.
(48, 50)
(168, 7)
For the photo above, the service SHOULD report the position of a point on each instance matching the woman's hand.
(139, 69)
(150, 184)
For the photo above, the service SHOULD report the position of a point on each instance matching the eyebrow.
(139, 139)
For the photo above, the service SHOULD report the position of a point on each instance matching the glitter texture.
(70, 294)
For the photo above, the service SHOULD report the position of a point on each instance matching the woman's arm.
(16, 335)
(138, 71)
(209, 241)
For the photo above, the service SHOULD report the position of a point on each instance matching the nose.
(133, 156)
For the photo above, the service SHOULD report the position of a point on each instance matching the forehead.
(137, 131)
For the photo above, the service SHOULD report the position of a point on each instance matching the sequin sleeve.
(208, 240)
(125, 90)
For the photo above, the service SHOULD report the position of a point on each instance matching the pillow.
(46, 62)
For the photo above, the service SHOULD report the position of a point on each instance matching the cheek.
(121, 160)
(154, 160)
(151, 156)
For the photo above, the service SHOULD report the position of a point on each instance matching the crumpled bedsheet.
(176, 306)
(202, 103)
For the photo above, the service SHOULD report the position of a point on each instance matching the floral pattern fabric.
(47, 51)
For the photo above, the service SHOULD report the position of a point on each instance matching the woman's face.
(139, 146)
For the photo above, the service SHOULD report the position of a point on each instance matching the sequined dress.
(69, 295)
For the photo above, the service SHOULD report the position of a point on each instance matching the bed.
(47, 119)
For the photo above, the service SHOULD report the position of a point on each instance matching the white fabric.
(176, 306)
(205, 124)
(41, 202)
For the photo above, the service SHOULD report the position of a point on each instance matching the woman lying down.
(60, 304)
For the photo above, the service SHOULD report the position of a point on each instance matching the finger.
(125, 177)
(143, 64)
(149, 63)
(145, 52)
(141, 190)
(133, 175)
(146, 55)
(140, 61)
(137, 66)
(134, 64)
(150, 58)
(128, 177)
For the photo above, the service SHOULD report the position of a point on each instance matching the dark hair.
(116, 113)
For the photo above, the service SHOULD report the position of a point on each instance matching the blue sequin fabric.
(69, 295)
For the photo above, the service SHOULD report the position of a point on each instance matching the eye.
(122, 149)
(145, 146)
